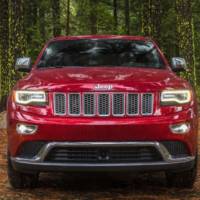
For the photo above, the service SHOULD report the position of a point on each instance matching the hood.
(86, 78)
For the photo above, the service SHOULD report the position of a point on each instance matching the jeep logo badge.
(103, 87)
(103, 155)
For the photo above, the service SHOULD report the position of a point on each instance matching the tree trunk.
(4, 47)
(115, 15)
(17, 29)
(156, 20)
(194, 55)
(42, 23)
(93, 16)
(146, 29)
(68, 18)
(17, 36)
(56, 17)
(127, 17)
(30, 19)
(185, 34)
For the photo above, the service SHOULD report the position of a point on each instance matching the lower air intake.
(103, 155)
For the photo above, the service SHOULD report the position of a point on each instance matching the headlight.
(174, 97)
(30, 97)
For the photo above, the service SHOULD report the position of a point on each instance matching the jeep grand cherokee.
(104, 103)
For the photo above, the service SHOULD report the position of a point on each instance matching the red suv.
(104, 103)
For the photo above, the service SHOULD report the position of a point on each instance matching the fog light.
(182, 128)
(25, 129)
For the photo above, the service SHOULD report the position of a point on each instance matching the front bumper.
(148, 128)
(39, 164)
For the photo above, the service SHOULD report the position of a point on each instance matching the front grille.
(103, 104)
(176, 149)
(147, 104)
(74, 105)
(103, 155)
(133, 104)
(60, 104)
(118, 104)
(89, 104)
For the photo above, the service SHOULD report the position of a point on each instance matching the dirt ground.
(94, 186)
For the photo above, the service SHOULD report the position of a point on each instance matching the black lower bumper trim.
(49, 167)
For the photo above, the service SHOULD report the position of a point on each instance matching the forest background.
(25, 26)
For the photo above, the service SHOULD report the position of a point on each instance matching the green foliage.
(26, 25)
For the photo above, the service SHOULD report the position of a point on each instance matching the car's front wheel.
(20, 180)
(183, 179)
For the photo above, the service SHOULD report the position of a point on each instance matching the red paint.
(82, 79)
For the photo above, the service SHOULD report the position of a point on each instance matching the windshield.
(98, 52)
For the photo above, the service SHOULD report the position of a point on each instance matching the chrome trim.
(127, 104)
(124, 104)
(167, 158)
(102, 87)
(152, 102)
(54, 102)
(74, 115)
(109, 104)
(83, 103)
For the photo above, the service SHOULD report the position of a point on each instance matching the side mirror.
(23, 64)
(179, 64)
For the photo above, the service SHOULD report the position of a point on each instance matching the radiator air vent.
(104, 104)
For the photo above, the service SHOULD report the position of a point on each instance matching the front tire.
(20, 180)
(184, 179)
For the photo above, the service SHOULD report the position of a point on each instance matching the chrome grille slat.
(103, 104)
(118, 104)
(133, 104)
(89, 104)
(147, 104)
(60, 104)
(74, 104)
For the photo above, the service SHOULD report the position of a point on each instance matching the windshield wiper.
(49, 66)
